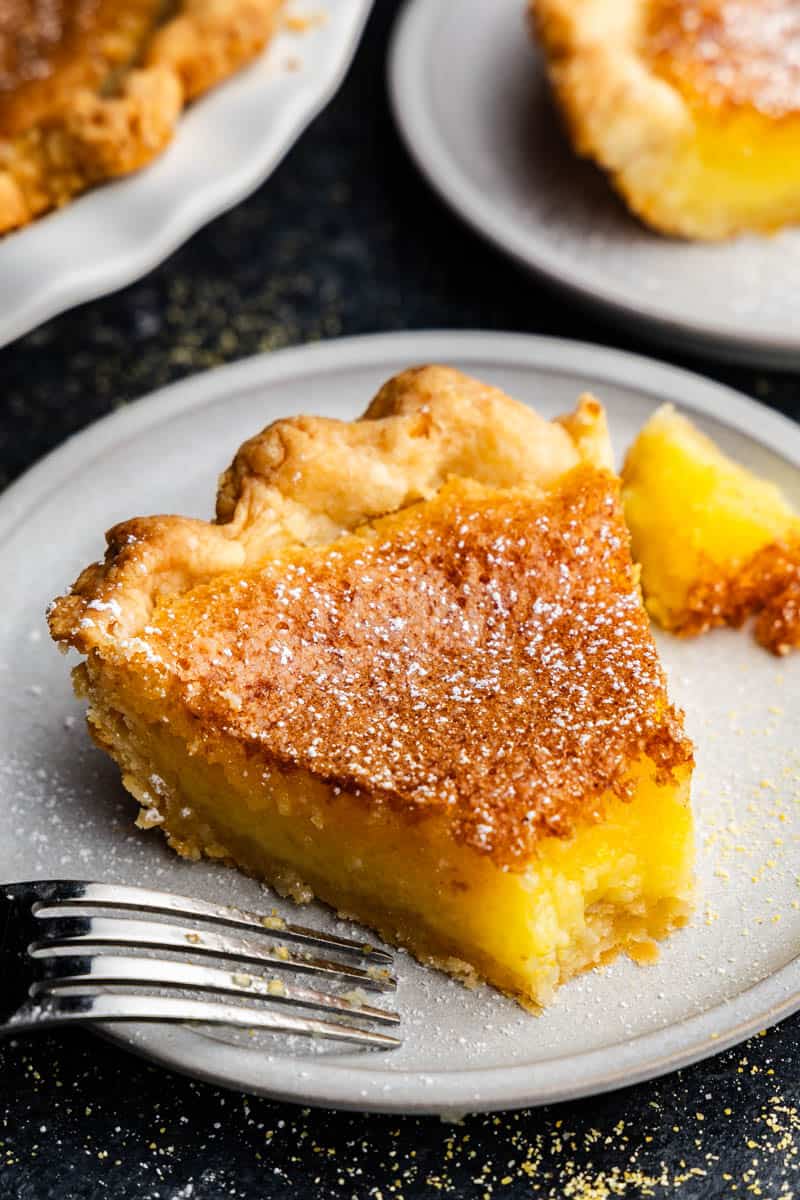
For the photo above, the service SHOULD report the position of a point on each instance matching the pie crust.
(95, 92)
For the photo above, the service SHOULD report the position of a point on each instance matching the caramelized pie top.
(485, 653)
(482, 652)
(740, 53)
(50, 48)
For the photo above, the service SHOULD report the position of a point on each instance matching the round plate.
(485, 134)
(113, 235)
(64, 813)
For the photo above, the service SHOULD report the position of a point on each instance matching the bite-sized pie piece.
(716, 544)
(409, 670)
(92, 89)
(692, 106)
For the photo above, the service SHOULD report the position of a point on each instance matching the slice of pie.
(716, 544)
(692, 106)
(92, 89)
(407, 669)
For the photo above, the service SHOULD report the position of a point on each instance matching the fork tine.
(69, 934)
(88, 1007)
(86, 895)
(73, 974)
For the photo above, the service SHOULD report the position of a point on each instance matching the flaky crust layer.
(84, 136)
(304, 481)
(617, 111)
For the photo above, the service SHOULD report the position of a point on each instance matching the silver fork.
(65, 961)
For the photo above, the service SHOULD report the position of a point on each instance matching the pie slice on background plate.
(692, 106)
(408, 669)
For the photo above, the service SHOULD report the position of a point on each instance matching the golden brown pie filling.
(732, 53)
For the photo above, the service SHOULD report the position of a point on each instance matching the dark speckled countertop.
(345, 238)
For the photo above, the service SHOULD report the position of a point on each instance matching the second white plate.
(63, 811)
(484, 132)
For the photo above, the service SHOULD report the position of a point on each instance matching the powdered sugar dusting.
(487, 660)
(734, 51)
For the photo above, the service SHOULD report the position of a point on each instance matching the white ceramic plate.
(483, 131)
(63, 811)
(226, 145)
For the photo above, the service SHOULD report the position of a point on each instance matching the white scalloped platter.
(63, 812)
(227, 143)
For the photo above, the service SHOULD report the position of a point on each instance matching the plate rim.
(421, 135)
(135, 257)
(472, 1089)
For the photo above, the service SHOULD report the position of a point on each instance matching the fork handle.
(14, 937)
